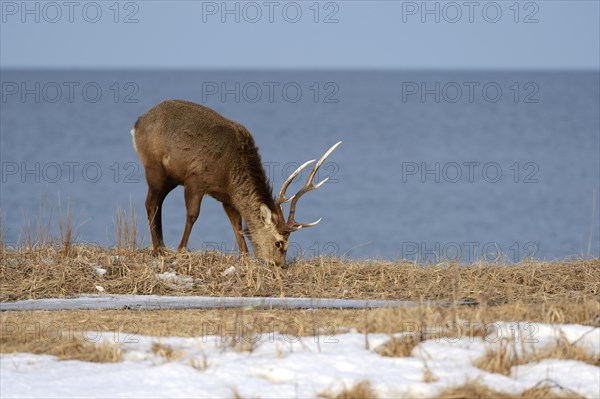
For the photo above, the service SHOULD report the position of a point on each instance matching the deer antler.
(291, 224)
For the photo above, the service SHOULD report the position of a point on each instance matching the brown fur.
(183, 143)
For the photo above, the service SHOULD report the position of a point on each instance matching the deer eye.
(279, 244)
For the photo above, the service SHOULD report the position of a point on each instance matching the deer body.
(183, 143)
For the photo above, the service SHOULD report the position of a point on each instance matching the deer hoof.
(160, 251)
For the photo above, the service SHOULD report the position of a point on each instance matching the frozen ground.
(285, 366)
(150, 302)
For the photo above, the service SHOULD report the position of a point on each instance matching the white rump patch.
(133, 139)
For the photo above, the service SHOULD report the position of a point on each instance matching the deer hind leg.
(193, 198)
(157, 192)
(236, 223)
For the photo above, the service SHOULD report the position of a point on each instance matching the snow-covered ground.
(287, 366)
(151, 302)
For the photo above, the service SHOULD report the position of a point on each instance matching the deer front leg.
(236, 223)
(154, 202)
(193, 199)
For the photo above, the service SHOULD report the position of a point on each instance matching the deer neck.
(248, 197)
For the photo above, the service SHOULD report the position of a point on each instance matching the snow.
(100, 271)
(175, 281)
(148, 302)
(562, 372)
(284, 366)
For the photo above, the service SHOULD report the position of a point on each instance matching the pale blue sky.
(367, 34)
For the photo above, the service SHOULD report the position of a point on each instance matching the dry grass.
(49, 271)
(499, 359)
(88, 352)
(126, 230)
(43, 267)
(361, 390)
(66, 233)
(471, 390)
(504, 356)
(402, 346)
(428, 375)
(190, 323)
(399, 347)
(476, 390)
(563, 349)
(166, 352)
(65, 346)
(239, 329)
(201, 363)
(235, 394)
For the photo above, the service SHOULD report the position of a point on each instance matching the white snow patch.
(580, 377)
(175, 281)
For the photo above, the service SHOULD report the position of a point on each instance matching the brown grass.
(65, 347)
(428, 375)
(47, 271)
(361, 390)
(399, 347)
(239, 328)
(403, 346)
(201, 363)
(167, 352)
(189, 323)
(563, 349)
(476, 390)
(499, 359)
(126, 230)
(66, 233)
(43, 267)
(235, 394)
(1, 231)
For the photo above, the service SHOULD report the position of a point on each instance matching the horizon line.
(301, 69)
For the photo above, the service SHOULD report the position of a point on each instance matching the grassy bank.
(50, 271)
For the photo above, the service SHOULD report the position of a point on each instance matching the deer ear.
(265, 215)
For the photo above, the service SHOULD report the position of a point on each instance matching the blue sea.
(435, 165)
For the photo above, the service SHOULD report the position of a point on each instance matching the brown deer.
(183, 143)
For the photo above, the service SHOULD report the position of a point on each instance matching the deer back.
(192, 144)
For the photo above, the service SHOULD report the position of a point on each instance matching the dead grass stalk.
(361, 390)
(476, 390)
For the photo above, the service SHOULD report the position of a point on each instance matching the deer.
(184, 143)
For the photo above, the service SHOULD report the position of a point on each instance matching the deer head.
(270, 237)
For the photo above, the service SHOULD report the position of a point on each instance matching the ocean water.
(433, 166)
